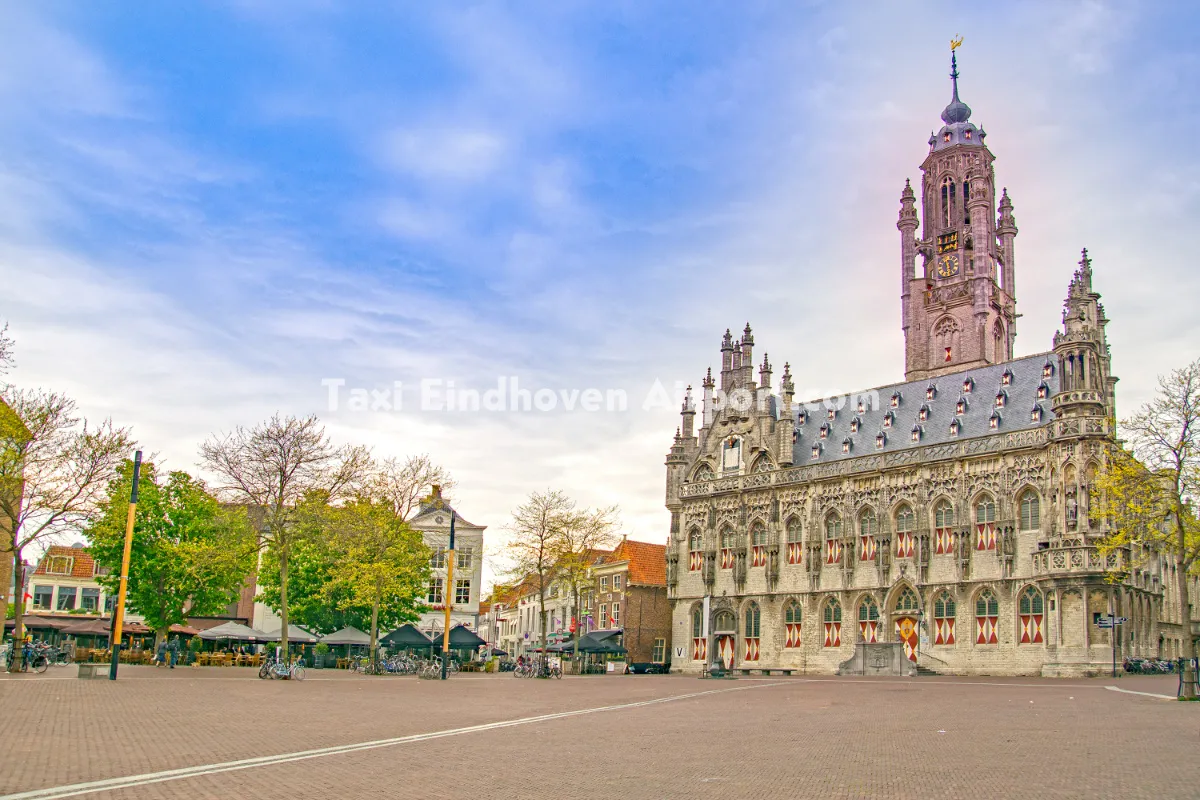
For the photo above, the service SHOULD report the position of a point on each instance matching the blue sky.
(205, 212)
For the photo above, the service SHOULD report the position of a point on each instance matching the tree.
(1149, 492)
(190, 554)
(274, 466)
(402, 484)
(539, 531)
(384, 564)
(588, 536)
(54, 470)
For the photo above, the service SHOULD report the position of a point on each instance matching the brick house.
(630, 592)
(66, 580)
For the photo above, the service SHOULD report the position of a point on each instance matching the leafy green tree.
(315, 599)
(384, 564)
(190, 554)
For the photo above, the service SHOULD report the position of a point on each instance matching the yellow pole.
(449, 598)
(119, 611)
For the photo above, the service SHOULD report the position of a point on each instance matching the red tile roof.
(647, 562)
(82, 567)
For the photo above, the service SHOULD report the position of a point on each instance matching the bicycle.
(33, 657)
(273, 668)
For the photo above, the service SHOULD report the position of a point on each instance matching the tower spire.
(957, 111)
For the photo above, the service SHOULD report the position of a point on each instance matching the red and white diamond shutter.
(868, 621)
(904, 545)
(943, 534)
(986, 618)
(758, 556)
(1031, 612)
(753, 632)
(726, 558)
(833, 551)
(833, 624)
(699, 649)
(985, 525)
(866, 548)
(943, 619)
(795, 552)
(791, 625)
(695, 561)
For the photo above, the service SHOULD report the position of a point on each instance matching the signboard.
(1110, 621)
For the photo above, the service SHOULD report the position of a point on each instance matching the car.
(648, 668)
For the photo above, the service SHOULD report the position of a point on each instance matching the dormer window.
(916, 433)
(801, 418)
(880, 440)
(1001, 398)
(954, 427)
(825, 431)
(887, 419)
(1036, 414)
(930, 392)
(1006, 378)
(923, 414)
(968, 384)
(1048, 369)
(816, 451)
(831, 414)
(896, 400)
(994, 420)
(967, 133)
(946, 136)
(960, 407)
(854, 423)
(862, 406)
(846, 444)
(1043, 391)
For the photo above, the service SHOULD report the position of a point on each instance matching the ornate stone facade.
(950, 513)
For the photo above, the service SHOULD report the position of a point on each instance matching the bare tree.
(539, 529)
(587, 538)
(54, 473)
(403, 483)
(6, 350)
(273, 467)
(1150, 491)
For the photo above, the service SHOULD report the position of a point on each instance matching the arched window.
(1031, 512)
(699, 641)
(833, 623)
(943, 528)
(987, 612)
(868, 526)
(753, 632)
(791, 624)
(906, 523)
(998, 341)
(727, 543)
(762, 464)
(833, 539)
(1031, 610)
(795, 542)
(907, 602)
(966, 197)
(944, 612)
(946, 203)
(703, 473)
(695, 550)
(868, 620)
(758, 545)
(985, 524)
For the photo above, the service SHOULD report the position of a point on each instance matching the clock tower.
(958, 308)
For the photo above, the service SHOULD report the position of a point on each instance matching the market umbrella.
(91, 627)
(47, 623)
(184, 630)
(463, 638)
(238, 632)
(297, 635)
(348, 635)
(407, 636)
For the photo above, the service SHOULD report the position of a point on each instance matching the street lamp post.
(449, 599)
(119, 611)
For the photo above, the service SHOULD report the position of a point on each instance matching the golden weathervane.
(954, 43)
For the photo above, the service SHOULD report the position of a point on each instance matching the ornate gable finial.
(708, 380)
(747, 336)
(727, 342)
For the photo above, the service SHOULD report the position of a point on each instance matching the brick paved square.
(582, 737)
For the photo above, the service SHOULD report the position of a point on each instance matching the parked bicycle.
(34, 656)
(273, 668)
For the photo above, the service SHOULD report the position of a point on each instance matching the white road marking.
(76, 789)
(1143, 694)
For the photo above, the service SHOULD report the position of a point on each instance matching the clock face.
(947, 266)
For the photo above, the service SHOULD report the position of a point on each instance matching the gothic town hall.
(948, 513)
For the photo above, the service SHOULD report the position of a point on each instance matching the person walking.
(173, 649)
(160, 654)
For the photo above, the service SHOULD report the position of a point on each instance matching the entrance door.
(907, 632)
(725, 647)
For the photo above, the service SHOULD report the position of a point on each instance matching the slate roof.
(1020, 398)
(82, 567)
